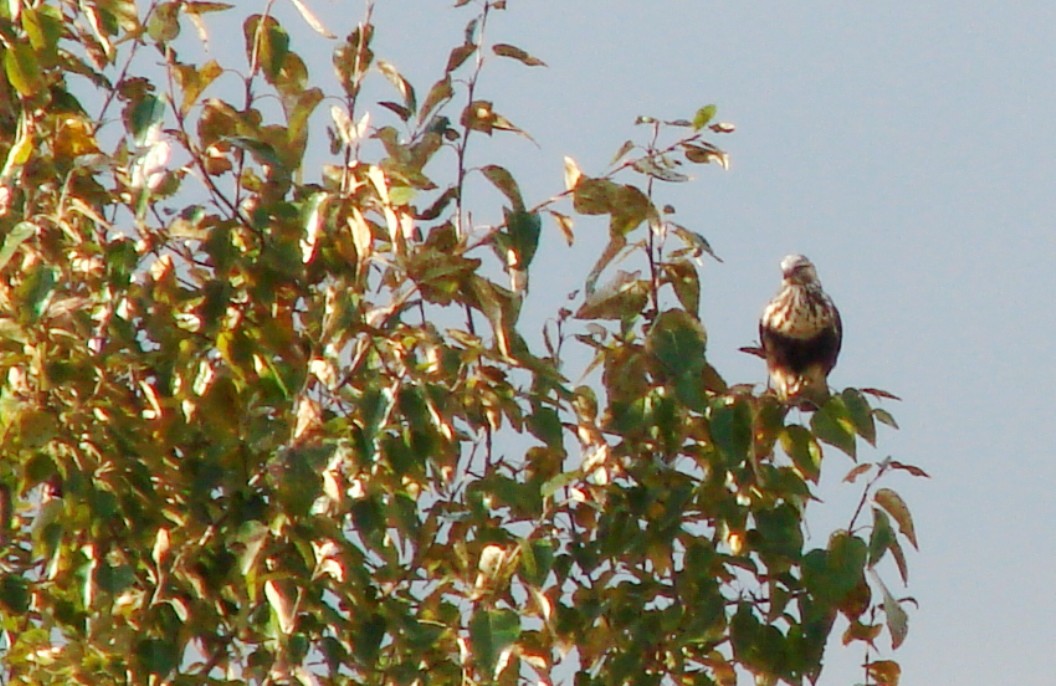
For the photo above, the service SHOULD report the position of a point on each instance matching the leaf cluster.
(262, 429)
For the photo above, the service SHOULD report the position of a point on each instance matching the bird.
(801, 333)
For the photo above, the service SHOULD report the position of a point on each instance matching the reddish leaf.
(912, 469)
(879, 393)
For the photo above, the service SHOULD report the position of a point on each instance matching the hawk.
(801, 333)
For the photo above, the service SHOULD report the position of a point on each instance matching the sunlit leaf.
(440, 93)
(164, 24)
(803, 450)
(731, 429)
(402, 85)
(312, 20)
(860, 414)
(194, 80)
(623, 297)
(683, 277)
(18, 235)
(857, 471)
(491, 632)
(656, 168)
(704, 115)
(832, 425)
(267, 44)
(564, 222)
(458, 56)
(884, 672)
(899, 511)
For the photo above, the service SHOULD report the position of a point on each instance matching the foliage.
(261, 429)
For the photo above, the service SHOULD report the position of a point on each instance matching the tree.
(268, 423)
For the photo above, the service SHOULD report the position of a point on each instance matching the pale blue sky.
(907, 149)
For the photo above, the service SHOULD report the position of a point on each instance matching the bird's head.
(799, 270)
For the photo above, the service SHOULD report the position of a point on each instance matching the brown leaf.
(857, 471)
(458, 56)
(885, 672)
(513, 52)
(564, 222)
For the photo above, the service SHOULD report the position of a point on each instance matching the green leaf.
(779, 532)
(860, 413)
(267, 45)
(622, 298)
(193, 80)
(440, 92)
(594, 196)
(703, 116)
(731, 430)
(804, 451)
(832, 424)
(22, 68)
(164, 23)
(14, 594)
(832, 575)
(536, 561)
(685, 281)
(490, 632)
(881, 537)
(143, 115)
(524, 230)
(16, 237)
(899, 511)
(33, 294)
(157, 655)
(677, 340)
(885, 417)
(545, 424)
(501, 178)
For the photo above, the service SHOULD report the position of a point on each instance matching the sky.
(907, 149)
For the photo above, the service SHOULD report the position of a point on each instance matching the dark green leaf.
(731, 430)
(677, 340)
(881, 538)
(32, 295)
(157, 655)
(14, 594)
(490, 632)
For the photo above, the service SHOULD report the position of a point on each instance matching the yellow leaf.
(899, 511)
